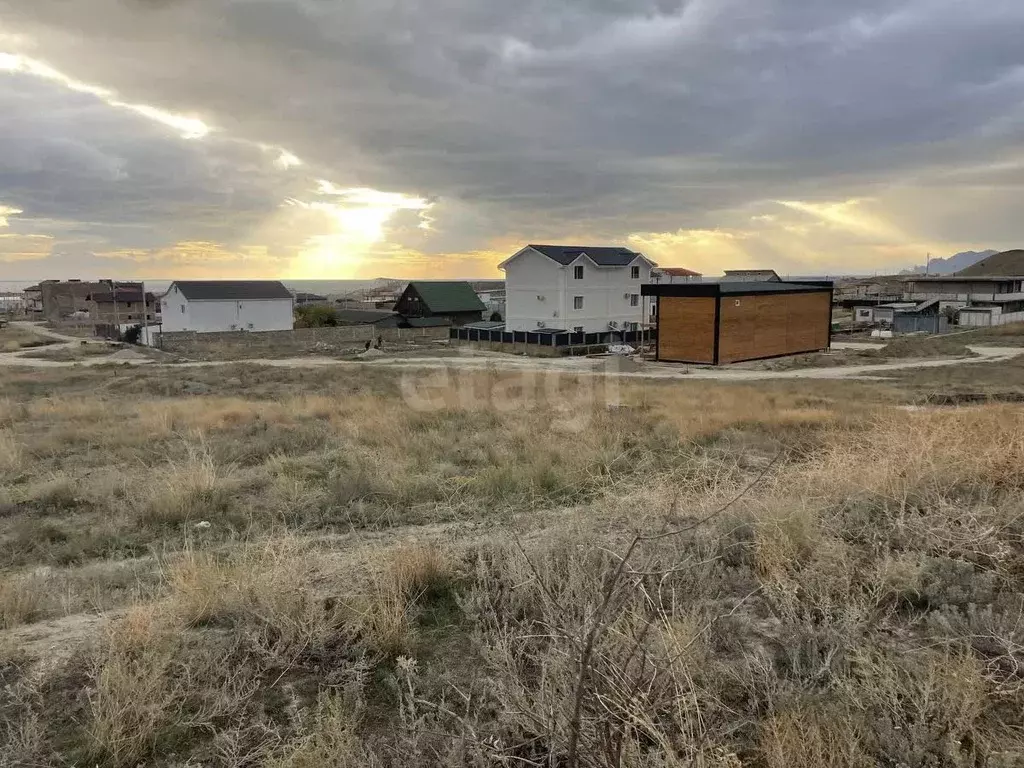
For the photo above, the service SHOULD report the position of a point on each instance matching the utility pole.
(117, 321)
(145, 317)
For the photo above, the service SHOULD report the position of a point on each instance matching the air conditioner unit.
(539, 297)
(626, 295)
(613, 324)
(540, 323)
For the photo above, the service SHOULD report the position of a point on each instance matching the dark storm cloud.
(542, 116)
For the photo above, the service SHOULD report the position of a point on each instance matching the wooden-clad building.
(728, 322)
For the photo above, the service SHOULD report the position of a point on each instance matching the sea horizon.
(306, 286)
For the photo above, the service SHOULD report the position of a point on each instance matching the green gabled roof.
(448, 296)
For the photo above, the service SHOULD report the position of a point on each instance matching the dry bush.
(134, 693)
(402, 578)
(418, 569)
(57, 493)
(187, 491)
(11, 454)
(328, 739)
(812, 736)
(153, 685)
(22, 598)
(264, 591)
(588, 668)
(925, 707)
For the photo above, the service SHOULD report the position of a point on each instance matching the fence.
(187, 342)
(556, 341)
(908, 322)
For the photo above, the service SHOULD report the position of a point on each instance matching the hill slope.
(1005, 263)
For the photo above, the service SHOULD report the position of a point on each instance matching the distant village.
(558, 299)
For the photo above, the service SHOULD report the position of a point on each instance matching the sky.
(323, 139)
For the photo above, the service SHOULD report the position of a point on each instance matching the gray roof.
(233, 290)
(486, 325)
(363, 316)
(749, 275)
(605, 256)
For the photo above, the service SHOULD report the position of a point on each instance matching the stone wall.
(283, 343)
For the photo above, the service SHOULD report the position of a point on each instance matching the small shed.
(728, 322)
(885, 313)
(978, 317)
(926, 317)
(453, 300)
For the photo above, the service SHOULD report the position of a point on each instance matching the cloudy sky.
(429, 138)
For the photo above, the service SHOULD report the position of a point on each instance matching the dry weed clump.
(12, 455)
(405, 579)
(187, 491)
(134, 693)
(329, 739)
(22, 597)
(263, 591)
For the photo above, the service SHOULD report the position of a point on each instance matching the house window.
(654, 311)
(634, 273)
(634, 300)
(578, 329)
(183, 309)
(577, 273)
(577, 302)
(634, 326)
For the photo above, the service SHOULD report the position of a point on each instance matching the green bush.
(315, 316)
(132, 335)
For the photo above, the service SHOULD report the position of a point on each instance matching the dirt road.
(574, 365)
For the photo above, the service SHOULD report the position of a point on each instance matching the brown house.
(716, 323)
(120, 306)
(72, 299)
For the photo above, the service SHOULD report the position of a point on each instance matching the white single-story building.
(206, 306)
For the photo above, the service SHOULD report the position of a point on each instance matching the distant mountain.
(953, 264)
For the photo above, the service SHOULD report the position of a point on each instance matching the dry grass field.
(263, 567)
(15, 338)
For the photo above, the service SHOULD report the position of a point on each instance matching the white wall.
(171, 315)
(1009, 317)
(606, 295)
(225, 315)
(967, 318)
(539, 289)
(975, 319)
(533, 292)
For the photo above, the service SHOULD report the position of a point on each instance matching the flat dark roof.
(732, 288)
